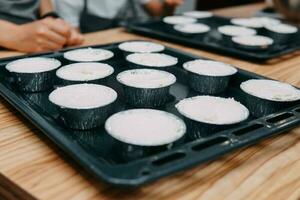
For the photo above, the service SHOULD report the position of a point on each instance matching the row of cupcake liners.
(107, 159)
(138, 102)
(215, 41)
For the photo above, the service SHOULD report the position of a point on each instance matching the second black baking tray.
(212, 40)
(95, 151)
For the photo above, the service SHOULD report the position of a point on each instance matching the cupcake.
(151, 60)
(146, 87)
(229, 31)
(40, 99)
(264, 97)
(192, 29)
(88, 55)
(83, 106)
(232, 30)
(141, 132)
(267, 20)
(247, 22)
(209, 77)
(33, 74)
(282, 33)
(198, 14)
(86, 72)
(140, 47)
(177, 19)
(257, 23)
(253, 42)
(206, 115)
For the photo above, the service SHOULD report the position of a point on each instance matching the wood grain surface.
(32, 167)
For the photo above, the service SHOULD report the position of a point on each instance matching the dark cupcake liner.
(41, 100)
(258, 30)
(127, 53)
(252, 48)
(280, 38)
(38, 98)
(197, 130)
(84, 119)
(94, 140)
(101, 81)
(169, 26)
(67, 61)
(146, 98)
(137, 66)
(208, 84)
(259, 107)
(34, 82)
(205, 20)
(226, 39)
(199, 35)
(129, 152)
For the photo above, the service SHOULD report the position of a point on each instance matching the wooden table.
(32, 167)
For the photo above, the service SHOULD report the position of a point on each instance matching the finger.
(48, 45)
(75, 38)
(55, 37)
(171, 3)
(58, 26)
(175, 2)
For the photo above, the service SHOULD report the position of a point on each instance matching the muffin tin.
(95, 151)
(213, 39)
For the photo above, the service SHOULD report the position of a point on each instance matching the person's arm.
(7, 33)
(42, 35)
(158, 8)
(46, 6)
(69, 10)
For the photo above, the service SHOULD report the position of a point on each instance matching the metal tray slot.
(247, 129)
(297, 110)
(169, 158)
(280, 118)
(219, 141)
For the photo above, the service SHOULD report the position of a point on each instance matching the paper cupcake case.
(260, 107)
(33, 74)
(130, 148)
(139, 95)
(282, 38)
(100, 79)
(106, 163)
(34, 82)
(146, 98)
(208, 84)
(136, 46)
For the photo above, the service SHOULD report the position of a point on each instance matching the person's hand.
(75, 38)
(43, 35)
(161, 8)
(173, 3)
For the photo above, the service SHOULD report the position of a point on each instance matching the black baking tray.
(212, 40)
(94, 149)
